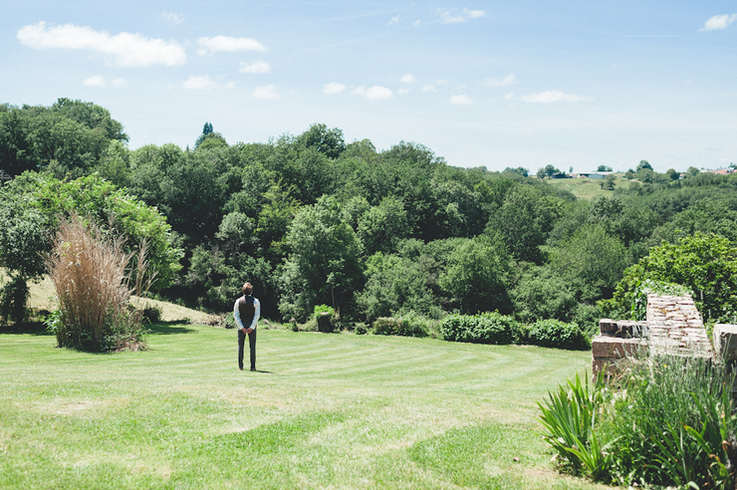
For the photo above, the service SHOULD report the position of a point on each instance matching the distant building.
(721, 171)
(593, 175)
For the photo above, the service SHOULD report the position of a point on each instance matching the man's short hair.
(247, 289)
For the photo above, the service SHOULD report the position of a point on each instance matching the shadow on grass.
(32, 328)
(38, 328)
(168, 328)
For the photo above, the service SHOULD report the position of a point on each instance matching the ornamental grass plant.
(89, 272)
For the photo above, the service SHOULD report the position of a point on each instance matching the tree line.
(312, 220)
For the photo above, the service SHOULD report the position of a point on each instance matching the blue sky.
(495, 84)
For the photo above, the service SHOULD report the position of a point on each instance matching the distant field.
(587, 188)
(325, 411)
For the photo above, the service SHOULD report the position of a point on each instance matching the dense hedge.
(404, 327)
(495, 328)
(554, 333)
(484, 328)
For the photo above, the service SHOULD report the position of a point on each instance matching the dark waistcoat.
(247, 310)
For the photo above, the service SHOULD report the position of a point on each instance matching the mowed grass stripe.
(326, 411)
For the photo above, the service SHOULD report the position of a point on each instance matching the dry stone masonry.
(673, 327)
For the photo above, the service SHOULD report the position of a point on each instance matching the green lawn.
(324, 411)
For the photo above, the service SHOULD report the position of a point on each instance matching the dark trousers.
(251, 344)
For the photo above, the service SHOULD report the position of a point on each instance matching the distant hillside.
(44, 297)
(586, 188)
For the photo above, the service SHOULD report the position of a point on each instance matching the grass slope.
(588, 189)
(325, 411)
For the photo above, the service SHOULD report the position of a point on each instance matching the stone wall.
(673, 327)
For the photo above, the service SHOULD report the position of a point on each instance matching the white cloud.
(119, 82)
(267, 92)
(255, 67)
(204, 83)
(124, 49)
(376, 92)
(210, 45)
(448, 18)
(394, 20)
(555, 96)
(509, 96)
(719, 22)
(333, 88)
(403, 90)
(474, 14)
(172, 17)
(461, 100)
(96, 81)
(500, 82)
(451, 17)
(428, 88)
(407, 78)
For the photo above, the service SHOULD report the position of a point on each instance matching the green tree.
(23, 241)
(381, 227)
(592, 261)
(274, 220)
(550, 170)
(524, 221)
(209, 139)
(541, 293)
(193, 196)
(91, 116)
(609, 182)
(476, 276)
(397, 285)
(114, 164)
(16, 143)
(519, 170)
(323, 266)
(327, 141)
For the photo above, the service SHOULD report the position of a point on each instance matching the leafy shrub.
(485, 328)
(387, 326)
(152, 313)
(587, 317)
(421, 325)
(404, 327)
(360, 329)
(554, 333)
(324, 316)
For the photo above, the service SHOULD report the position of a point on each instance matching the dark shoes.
(253, 369)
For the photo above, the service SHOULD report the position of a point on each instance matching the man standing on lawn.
(247, 311)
